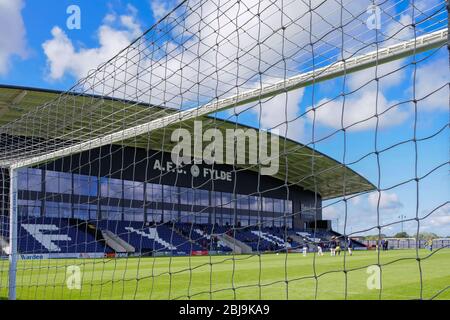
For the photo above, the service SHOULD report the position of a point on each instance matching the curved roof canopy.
(303, 166)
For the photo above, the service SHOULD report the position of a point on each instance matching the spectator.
(333, 246)
(350, 245)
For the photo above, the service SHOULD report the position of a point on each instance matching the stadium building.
(130, 198)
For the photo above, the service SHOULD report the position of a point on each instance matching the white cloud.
(430, 77)
(364, 100)
(355, 200)
(279, 112)
(63, 57)
(390, 75)
(161, 8)
(438, 221)
(363, 212)
(12, 40)
(183, 68)
(172, 72)
(359, 111)
(386, 200)
(330, 213)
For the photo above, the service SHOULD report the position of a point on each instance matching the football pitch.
(267, 276)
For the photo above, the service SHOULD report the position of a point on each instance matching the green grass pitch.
(267, 276)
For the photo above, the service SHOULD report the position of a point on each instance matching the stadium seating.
(324, 237)
(265, 239)
(61, 235)
(204, 235)
(55, 235)
(146, 238)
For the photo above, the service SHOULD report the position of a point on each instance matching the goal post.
(13, 225)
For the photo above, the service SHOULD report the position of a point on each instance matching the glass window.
(201, 197)
(308, 211)
(201, 218)
(255, 203)
(186, 217)
(29, 208)
(85, 211)
(134, 214)
(81, 211)
(85, 185)
(65, 210)
(93, 212)
(154, 192)
(111, 188)
(267, 204)
(244, 220)
(29, 179)
(288, 206)
(170, 194)
(214, 216)
(227, 218)
(289, 222)
(242, 203)
(154, 215)
(186, 196)
(227, 200)
(58, 182)
(51, 209)
(278, 205)
(254, 220)
(133, 190)
(278, 222)
(216, 200)
(170, 215)
(111, 213)
(57, 209)
(267, 221)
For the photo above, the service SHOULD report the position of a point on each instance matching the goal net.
(238, 149)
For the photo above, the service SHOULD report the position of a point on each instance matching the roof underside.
(85, 116)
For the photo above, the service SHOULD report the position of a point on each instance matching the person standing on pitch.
(430, 244)
(350, 246)
(319, 249)
(305, 249)
(333, 246)
(338, 246)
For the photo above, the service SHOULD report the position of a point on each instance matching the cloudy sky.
(40, 49)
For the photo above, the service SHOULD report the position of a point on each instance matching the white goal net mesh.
(227, 148)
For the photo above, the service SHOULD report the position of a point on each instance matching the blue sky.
(39, 34)
(39, 17)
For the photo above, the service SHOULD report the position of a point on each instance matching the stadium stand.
(151, 237)
(62, 235)
(204, 235)
(48, 235)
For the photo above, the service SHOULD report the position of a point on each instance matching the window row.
(67, 183)
(32, 208)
